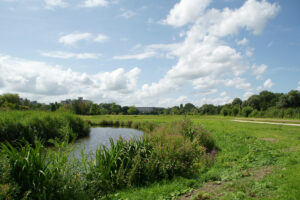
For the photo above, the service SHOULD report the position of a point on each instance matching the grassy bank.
(170, 150)
(16, 126)
(256, 161)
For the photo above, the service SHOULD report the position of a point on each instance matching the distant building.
(147, 110)
(67, 102)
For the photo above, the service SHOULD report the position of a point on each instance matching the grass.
(254, 161)
(16, 126)
(170, 150)
(247, 151)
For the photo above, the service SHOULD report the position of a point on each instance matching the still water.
(101, 135)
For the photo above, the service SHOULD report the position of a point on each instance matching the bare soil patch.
(217, 189)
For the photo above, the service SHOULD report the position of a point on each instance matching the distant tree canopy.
(264, 104)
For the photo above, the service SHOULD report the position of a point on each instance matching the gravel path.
(256, 122)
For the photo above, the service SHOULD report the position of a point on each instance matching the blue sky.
(150, 52)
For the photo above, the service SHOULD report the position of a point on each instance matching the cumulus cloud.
(186, 11)
(139, 56)
(259, 70)
(247, 95)
(71, 39)
(68, 55)
(204, 55)
(101, 38)
(127, 14)
(95, 3)
(268, 84)
(242, 42)
(55, 3)
(298, 86)
(43, 81)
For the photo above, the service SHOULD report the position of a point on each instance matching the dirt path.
(276, 123)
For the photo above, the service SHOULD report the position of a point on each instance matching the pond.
(101, 135)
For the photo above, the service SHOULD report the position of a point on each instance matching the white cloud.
(101, 38)
(95, 3)
(139, 56)
(41, 81)
(259, 70)
(249, 52)
(238, 83)
(298, 86)
(242, 42)
(204, 54)
(73, 38)
(119, 80)
(268, 84)
(55, 3)
(128, 14)
(68, 55)
(223, 94)
(186, 11)
(247, 95)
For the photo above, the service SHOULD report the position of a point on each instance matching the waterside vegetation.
(32, 171)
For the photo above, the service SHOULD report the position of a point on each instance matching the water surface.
(101, 135)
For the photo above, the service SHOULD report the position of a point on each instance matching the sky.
(150, 52)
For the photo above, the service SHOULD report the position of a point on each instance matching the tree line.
(264, 104)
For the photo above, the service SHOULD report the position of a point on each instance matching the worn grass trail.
(256, 161)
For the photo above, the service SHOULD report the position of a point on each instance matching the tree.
(132, 110)
(266, 100)
(247, 110)
(254, 102)
(11, 101)
(235, 110)
(94, 109)
(208, 109)
(115, 108)
(225, 111)
(188, 107)
(237, 102)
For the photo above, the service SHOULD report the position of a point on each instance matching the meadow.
(255, 161)
(215, 158)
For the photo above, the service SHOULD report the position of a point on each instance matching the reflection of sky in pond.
(101, 135)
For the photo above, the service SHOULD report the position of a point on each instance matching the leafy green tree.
(246, 111)
(188, 107)
(235, 110)
(254, 102)
(237, 102)
(132, 110)
(225, 111)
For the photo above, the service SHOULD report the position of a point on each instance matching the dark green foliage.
(246, 111)
(32, 125)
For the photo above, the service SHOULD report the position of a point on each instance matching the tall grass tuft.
(16, 126)
(39, 173)
(175, 149)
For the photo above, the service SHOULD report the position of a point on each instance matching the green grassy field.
(255, 161)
